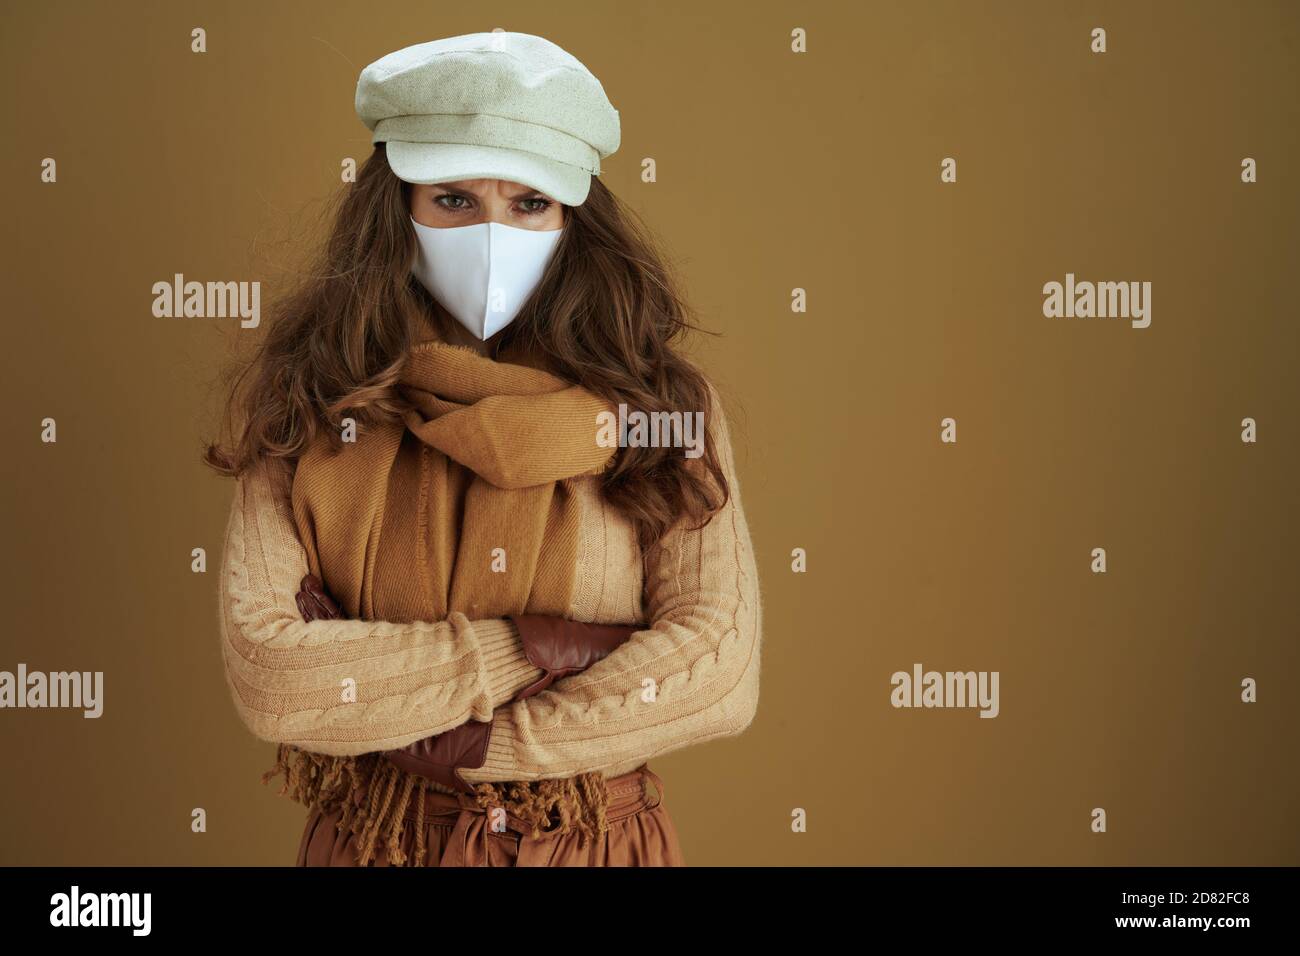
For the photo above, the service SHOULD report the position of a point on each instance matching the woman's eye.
(448, 201)
(534, 206)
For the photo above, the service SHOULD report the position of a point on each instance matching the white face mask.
(482, 274)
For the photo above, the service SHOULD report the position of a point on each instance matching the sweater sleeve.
(343, 687)
(691, 676)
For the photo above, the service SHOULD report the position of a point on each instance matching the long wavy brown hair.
(606, 316)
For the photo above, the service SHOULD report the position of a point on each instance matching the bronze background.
(775, 171)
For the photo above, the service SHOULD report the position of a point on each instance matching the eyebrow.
(465, 192)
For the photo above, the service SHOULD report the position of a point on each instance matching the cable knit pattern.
(697, 589)
(699, 657)
(609, 587)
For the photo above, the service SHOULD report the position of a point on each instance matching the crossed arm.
(690, 676)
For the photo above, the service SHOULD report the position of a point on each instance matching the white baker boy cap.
(490, 106)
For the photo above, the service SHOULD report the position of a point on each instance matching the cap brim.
(448, 162)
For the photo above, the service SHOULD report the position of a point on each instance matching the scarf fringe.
(327, 783)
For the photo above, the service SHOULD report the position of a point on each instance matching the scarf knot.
(512, 425)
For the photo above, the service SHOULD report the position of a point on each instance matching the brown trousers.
(459, 833)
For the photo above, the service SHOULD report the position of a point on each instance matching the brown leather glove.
(561, 647)
(314, 602)
(443, 756)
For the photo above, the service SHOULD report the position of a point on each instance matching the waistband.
(627, 795)
(468, 843)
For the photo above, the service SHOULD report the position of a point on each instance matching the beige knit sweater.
(351, 687)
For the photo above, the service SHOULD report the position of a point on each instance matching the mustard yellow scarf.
(403, 525)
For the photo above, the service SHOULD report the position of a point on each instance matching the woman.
(468, 617)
